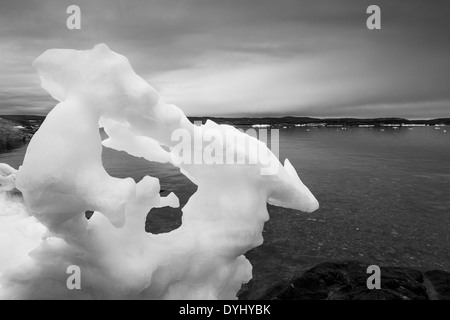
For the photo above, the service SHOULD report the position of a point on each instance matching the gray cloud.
(238, 57)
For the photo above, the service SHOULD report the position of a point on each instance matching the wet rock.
(346, 280)
(438, 284)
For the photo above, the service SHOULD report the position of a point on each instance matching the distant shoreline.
(307, 121)
(278, 122)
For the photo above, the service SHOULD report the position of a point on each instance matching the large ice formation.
(62, 176)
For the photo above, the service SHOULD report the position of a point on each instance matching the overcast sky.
(247, 57)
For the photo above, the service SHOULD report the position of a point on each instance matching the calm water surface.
(384, 198)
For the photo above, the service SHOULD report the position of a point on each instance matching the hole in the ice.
(163, 220)
(120, 164)
(88, 214)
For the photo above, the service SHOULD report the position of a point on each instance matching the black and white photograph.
(251, 151)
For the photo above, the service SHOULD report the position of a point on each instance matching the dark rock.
(439, 288)
(347, 281)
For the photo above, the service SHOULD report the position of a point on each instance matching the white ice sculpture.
(62, 176)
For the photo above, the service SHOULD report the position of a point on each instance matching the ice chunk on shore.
(62, 176)
(7, 177)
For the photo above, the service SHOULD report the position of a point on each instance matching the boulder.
(439, 283)
(347, 280)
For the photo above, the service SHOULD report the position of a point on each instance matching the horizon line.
(272, 116)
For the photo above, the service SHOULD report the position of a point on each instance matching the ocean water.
(384, 197)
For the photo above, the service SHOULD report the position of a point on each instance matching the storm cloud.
(247, 57)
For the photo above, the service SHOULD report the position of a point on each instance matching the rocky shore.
(347, 280)
(15, 130)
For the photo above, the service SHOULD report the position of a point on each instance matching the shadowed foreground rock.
(346, 280)
(440, 284)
